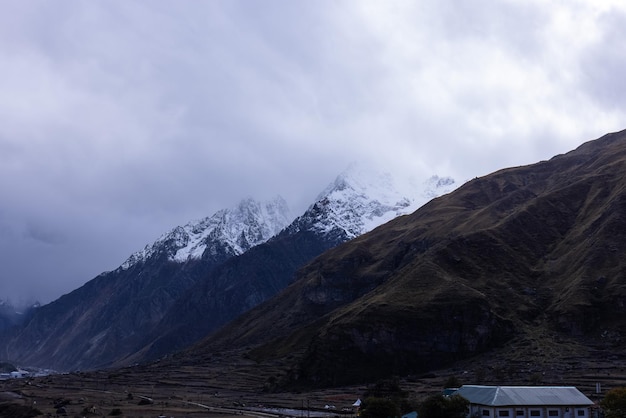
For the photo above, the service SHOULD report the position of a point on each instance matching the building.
(526, 401)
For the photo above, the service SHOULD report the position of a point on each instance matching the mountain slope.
(110, 315)
(358, 200)
(524, 252)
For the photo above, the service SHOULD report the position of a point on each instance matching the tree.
(386, 388)
(614, 403)
(439, 406)
(452, 382)
(7, 367)
(379, 408)
(390, 391)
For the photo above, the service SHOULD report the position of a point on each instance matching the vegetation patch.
(13, 410)
(7, 367)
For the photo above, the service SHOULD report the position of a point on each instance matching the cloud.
(120, 120)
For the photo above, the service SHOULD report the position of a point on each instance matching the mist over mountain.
(360, 199)
(12, 315)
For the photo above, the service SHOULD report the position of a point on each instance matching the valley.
(514, 278)
(228, 382)
(231, 385)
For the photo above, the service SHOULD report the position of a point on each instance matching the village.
(123, 394)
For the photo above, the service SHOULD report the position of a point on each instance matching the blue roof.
(524, 395)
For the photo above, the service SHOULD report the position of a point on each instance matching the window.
(485, 412)
(581, 413)
(535, 413)
(504, 413)
(553, 413)
(519, 412)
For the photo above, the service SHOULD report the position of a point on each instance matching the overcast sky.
(122, 119)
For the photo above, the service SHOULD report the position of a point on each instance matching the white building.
(526, 401)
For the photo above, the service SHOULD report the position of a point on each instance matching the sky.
(121, 119)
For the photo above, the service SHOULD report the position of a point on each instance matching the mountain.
(197, 277)
(109, 316)
(356, 201)
(523, 264)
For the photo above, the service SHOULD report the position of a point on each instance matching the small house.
(526, 401)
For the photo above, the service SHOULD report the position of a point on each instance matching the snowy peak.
(361, 199)
(236, 230)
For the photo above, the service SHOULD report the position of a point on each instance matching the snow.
(357, 201)
(361, 199)
(248, 224)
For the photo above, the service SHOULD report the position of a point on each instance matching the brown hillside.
(526, 251)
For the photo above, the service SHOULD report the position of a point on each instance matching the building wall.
(482, 411)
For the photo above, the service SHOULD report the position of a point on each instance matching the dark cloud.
(604, 59)
(120, 120)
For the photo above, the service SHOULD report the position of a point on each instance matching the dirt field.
(184, 392)
(234, 386)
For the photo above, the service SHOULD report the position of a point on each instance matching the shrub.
(18, 411)
(452, 382)
(379, 408)
(535, 379)
(614, 403)
(439, 406)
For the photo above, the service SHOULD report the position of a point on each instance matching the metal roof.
(523, 395)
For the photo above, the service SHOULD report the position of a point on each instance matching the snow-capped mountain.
(234, 230)
(120, 308)
(196, 277)
(357, 201)
(361, 199)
